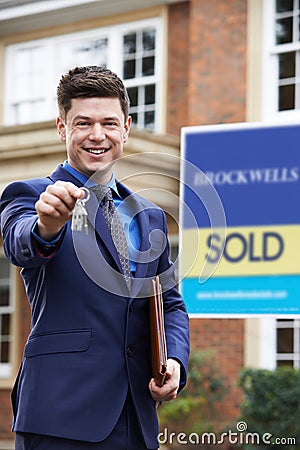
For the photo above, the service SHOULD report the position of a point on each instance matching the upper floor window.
(282, 60)
(6, 310)
(138, 65)
(132, 50)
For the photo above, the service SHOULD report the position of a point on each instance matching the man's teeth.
(96, 151)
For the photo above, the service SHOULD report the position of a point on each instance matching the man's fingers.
(164, 393)
(59, 199)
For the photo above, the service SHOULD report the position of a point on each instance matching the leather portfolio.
(157, 333)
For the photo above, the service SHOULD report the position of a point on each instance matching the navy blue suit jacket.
(89, 341)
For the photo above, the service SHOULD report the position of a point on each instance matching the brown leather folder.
(157, 333)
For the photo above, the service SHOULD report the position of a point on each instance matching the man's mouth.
(96, 151)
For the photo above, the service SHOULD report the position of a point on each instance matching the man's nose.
(97, 132)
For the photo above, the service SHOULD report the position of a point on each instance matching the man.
(85, 380)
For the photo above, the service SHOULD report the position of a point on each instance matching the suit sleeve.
(175, 314)
(18, 216)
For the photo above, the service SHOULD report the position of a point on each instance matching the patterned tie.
(112, 219)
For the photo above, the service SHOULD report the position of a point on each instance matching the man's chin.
(102, 174)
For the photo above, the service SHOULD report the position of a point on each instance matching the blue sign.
(252, 258)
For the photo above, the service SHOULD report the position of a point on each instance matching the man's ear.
(61, 128)
(126, 130)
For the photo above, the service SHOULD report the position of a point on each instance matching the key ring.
(87, 194)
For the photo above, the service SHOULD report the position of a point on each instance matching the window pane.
(148, 66)
(129, 69)
(4, 296)
(133, 95)
(285, 340)
(4, 353)
(286, 97)
(149, 40)
(4, 269)
(129, 43)
(5, 324)
(150, 94)
(134, 118)
(81, 52)
(285, 363)
(287, 65)
(95, 45)
(92, 52)
(149, 120)
(284, 5)
(284, 30)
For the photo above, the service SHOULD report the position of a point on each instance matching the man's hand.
(169, 389)
(55, 206)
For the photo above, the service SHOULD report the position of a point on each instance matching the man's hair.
(90, 81)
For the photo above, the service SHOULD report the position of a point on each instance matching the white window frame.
(6, 368)
(270, 52)
(115, 63)
(270, 113)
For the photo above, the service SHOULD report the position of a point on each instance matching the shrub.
(271, 405)
(194, 409)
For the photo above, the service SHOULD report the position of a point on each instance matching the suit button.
(131, 308)
(129, 352)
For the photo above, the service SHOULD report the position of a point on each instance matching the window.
(287, 41)
(138, 71)
(281, 102)
(33, 70)
(282, 62)
(288, 342)
(6, 311)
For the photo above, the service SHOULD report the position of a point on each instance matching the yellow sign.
(244, 251)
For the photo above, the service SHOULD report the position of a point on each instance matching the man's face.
(94, 132)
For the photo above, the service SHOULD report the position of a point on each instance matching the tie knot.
(102, 192)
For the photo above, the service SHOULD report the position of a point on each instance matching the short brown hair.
(90, 81)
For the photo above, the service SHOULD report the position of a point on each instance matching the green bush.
(194, 409)
(271, 406)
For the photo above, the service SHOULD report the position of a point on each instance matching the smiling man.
(85, 381)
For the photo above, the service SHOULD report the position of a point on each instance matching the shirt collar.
(87, 182)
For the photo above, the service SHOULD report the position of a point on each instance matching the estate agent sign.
(240, 219)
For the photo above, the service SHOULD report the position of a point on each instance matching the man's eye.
(82, 124)
(111, 124)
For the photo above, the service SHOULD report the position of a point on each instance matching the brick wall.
(225, 337)
(207, 63)
(177, 67)
(217, 55)
(5, 415)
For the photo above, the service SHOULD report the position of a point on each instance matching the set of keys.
(79, 214)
